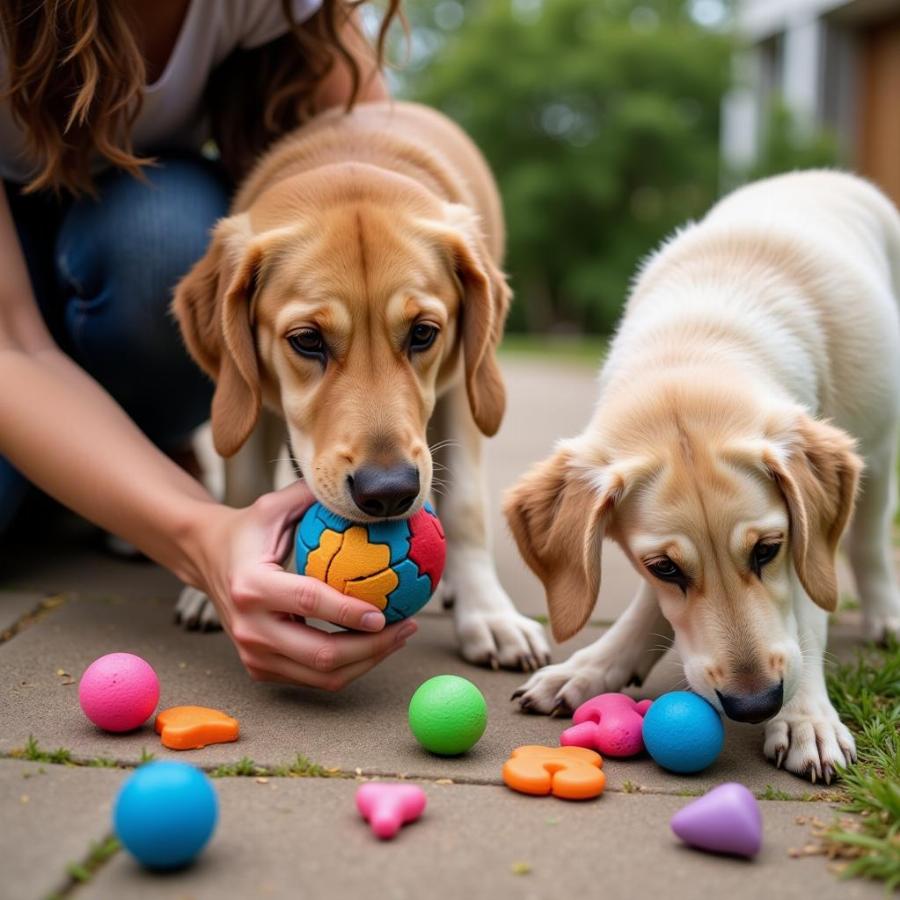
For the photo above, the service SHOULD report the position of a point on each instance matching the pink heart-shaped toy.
(608, 723)
(387, 807)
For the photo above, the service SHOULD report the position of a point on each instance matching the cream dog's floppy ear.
(558, 515)
(212, 305)
(485, 303)
(818, 472)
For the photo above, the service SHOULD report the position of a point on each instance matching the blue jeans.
(103, 271)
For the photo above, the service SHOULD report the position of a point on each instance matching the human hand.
(262, 607)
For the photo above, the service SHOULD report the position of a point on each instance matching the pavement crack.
(79, 873)
(42, 609)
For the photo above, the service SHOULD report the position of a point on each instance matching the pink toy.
(609, 723)
(119, 691)
(727, 819)
(388, 806)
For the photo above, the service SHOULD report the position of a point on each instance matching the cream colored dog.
(355, 292)
(757, 365)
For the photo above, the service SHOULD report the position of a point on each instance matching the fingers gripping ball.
(447, 715)
(119, 691)
(165, 813)
(572, 773)
(394, 565)
(682, 732)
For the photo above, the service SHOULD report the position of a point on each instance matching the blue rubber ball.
(165, 813)
(682, 732)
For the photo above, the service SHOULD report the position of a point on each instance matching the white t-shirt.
(172, 115)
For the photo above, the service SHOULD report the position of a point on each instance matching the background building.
(832, 65)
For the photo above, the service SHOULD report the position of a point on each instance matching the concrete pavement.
(281, 837)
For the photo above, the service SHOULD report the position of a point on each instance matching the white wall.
(796, 32)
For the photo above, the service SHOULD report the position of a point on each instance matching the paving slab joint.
(42, 609)
(80, 873)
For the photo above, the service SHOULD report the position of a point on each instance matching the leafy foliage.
(600, 119)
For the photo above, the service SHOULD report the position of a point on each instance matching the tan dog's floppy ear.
(486, 298)
(558, 518)
(818, 472)
(212, 305)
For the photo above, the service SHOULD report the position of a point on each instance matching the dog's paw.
(560, 689)
(809, 739)
(195, 611)
(502, 639)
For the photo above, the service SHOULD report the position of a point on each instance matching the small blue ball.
(682, 732)
(165, 813)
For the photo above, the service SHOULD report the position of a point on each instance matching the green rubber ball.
(447, 715)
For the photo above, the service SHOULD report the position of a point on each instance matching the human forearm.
(68, 436)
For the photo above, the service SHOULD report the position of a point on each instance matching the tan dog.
(720, 458)
(355, 292)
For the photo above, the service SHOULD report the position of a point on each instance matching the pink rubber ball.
(119, 691)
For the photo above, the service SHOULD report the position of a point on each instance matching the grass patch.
(243, 768)
(866, 694)
(33, 753)
(98, 854)
(301, 767)
(585, 350)
(772, 793)
(146, 756)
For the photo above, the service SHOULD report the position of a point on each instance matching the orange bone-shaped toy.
(193, 727)
(572, 773)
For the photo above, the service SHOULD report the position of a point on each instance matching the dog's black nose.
(382, 493)
(753, 708)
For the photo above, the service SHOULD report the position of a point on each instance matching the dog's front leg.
(807, 737)
(624, 654)
(491, 632)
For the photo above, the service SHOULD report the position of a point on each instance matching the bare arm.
(67, 435)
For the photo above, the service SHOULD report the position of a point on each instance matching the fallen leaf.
(521, 868)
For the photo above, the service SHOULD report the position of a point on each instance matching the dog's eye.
(666, 570)
(764, 552)
(422, 336)
(308, 342)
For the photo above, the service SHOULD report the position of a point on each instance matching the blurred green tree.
(600, 119)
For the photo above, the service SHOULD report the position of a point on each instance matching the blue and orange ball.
(394, 565)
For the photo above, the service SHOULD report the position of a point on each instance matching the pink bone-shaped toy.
(386, 807)
(609, 723)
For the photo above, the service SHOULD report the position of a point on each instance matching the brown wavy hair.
(76, 76)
